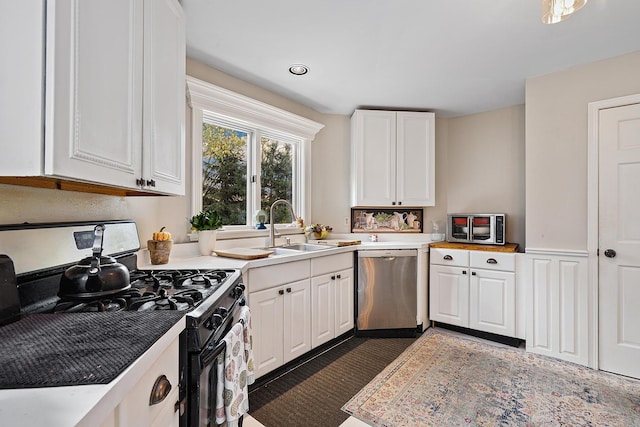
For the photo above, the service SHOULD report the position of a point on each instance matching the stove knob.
(238, 290)
(222, 311)
(214, 321)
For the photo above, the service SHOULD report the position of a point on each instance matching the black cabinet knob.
(610, 253)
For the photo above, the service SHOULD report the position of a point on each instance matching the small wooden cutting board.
(244, 253)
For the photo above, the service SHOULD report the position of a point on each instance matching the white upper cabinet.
(163, 149)
(392, 158)
(112, 93)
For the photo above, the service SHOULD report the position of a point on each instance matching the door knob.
(610, 253)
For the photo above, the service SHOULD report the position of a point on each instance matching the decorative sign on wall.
(376, 220)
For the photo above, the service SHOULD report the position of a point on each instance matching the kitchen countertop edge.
(82, 405)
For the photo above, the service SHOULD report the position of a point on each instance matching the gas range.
(182, 289)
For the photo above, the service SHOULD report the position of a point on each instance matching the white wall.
(556, 147)
(486, 166)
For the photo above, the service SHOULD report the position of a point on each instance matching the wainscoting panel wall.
(557, 303)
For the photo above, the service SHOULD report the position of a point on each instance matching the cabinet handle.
(288, 290)
(448, 258)
(492, 261)
(151, 183)
(333, 277)
(338, 276)
(160, 390)
(280, 292)
(473, 273)
(393, 203)
(464, 271)
(140, 182)
(399, 203)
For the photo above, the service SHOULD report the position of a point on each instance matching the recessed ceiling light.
(298, 69)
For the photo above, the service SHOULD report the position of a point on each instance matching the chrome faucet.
(272, 228)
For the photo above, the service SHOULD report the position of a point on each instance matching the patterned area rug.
(447, 380)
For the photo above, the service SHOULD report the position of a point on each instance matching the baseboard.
(510, 341)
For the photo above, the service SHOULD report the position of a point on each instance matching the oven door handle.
(211, 352)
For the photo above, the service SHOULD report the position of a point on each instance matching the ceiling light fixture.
(558, 10)
(299, 69)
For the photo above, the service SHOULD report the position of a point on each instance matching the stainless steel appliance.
(41, 254)
(386, 303)
(488, 229)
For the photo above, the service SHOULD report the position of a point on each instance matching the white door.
(163, 150)
(322, 306)
(297, 319)
(416, 164)
(449, 295)
(619, 240)
(267, 322)
(492, 302)
(93, 127)
(344, 293)
(374, 158)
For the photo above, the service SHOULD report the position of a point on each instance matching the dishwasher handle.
(388, 253)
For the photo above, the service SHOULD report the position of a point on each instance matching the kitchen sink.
(305, 247)
(282, 251)
(296, 248)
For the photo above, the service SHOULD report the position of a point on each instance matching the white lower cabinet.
(332, 294)
(473, 289)
(135, 408)
(296, 306)
(280, 313)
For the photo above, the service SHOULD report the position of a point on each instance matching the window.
(251, 154)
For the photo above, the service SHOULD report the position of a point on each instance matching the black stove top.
(155, 290)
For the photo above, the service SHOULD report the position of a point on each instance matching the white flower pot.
(206, 241)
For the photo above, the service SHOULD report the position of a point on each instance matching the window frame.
(239, 110)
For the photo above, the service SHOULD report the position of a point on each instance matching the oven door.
(203, 375)
(204, 379)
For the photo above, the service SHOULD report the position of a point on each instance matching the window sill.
(246, 233)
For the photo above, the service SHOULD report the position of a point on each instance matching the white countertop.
(186, 255)
(85, 405)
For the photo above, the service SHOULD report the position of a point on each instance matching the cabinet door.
(163, 151)
(93, 111)
(449, 295)
(297, 319)
(322, 309)
(267, 323)
(493, 302)
(415, 159)
(344, 304)
(21, 132)
(373, 158)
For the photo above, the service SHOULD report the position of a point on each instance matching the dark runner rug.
(312, 394)
(447, 380)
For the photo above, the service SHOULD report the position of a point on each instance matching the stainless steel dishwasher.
(386, 303)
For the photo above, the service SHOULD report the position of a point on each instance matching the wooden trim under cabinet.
(507, 247)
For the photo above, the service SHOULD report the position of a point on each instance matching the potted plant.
(206, 223)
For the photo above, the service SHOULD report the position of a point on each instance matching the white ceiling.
(451, 57)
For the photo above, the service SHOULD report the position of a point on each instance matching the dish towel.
(234, 375)
(245, 319)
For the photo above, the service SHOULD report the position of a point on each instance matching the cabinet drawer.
(274, 275)
(492, 261)
(328, 264)
(455, 257)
